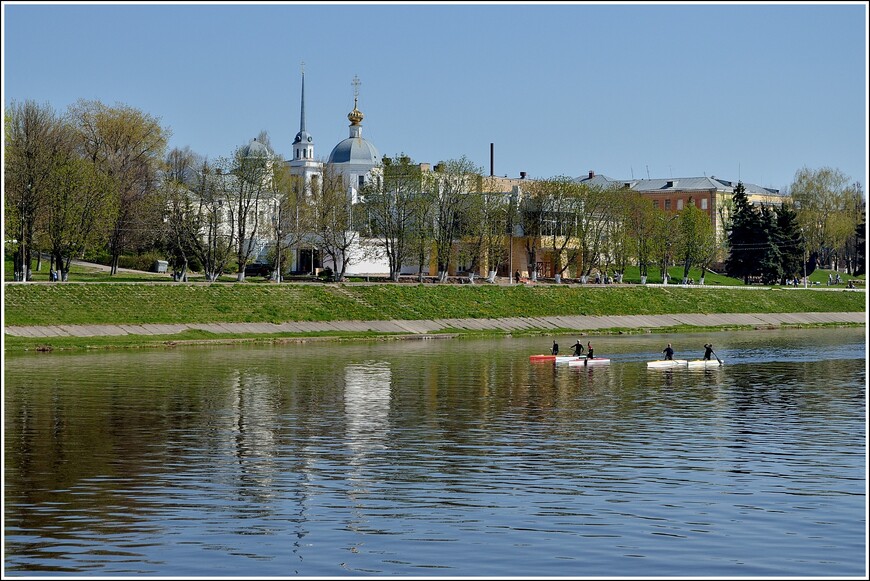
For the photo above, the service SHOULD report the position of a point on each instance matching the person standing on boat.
(555, 348)
(708, 351)
(578, 348)
(669, 353)
(589, 350)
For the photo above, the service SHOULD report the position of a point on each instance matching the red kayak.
(542, 358)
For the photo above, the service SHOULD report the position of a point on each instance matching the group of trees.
(460, 219)
(80, 180)
(216, 211)
(823, 225)
(99, 177)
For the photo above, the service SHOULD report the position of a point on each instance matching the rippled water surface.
(441, 457)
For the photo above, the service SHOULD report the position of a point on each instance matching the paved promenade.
(423, 327)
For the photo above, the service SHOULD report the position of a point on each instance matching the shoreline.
(91, 337)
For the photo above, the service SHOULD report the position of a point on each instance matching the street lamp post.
(277, 221)
(804, 240)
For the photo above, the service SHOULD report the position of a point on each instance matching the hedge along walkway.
(428, 326)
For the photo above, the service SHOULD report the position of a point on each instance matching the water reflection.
(457, 457)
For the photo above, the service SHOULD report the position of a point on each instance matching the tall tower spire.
(303, 145)
(302, 120)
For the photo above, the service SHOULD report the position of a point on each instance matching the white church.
(357, 161)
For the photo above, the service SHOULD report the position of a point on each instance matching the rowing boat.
(585, 361)
(542, 358)
(704, 363)
(666, 363)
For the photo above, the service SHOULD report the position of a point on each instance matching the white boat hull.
(667, 363)
(704, 363)
(567, 358)
(585, 362)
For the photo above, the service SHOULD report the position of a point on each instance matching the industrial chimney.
(491, 159)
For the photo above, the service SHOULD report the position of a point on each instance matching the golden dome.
(356, 115)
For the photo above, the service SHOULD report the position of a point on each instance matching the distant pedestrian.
(830, 279)
(517, 276)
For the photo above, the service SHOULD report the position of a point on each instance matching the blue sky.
(738, 91)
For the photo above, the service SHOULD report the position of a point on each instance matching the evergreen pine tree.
(790, 242)
(745, 238)
(770, 265)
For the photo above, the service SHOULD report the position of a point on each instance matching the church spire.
(302, 120)
(303, 145)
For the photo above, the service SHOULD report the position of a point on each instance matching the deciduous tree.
(37, 143)
(126, 145)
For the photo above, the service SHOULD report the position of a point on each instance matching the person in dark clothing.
(555, 348)
(589, 350)
(708, 351)
(578, 348)
(668, 351)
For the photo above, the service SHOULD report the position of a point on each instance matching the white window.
(703, 203)
(679, 204)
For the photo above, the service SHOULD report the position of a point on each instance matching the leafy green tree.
(78, 207)
(214, 241)
(251, 168)
(452, 181)
(665, 241)
(826, 210)
(333, 222)
(294, 215)
(853, 249)
(128, 146)
(532, 209)
(562, 203)
(485, 229)
(640, 220)
(696, 241)
(860, 248)
(597, 208)
(37, 142)
(391, 208)
(181, 219)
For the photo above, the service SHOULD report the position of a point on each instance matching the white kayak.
(567, 358)
(666, 363)
(585, 361)
(704, 363)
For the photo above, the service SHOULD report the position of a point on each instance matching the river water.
(441, 458)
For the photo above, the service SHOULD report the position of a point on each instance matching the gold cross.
(356, 83)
